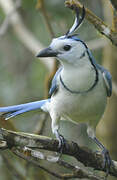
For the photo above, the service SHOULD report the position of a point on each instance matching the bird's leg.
(107, 159)
(55, 130)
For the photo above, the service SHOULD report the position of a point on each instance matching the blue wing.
(11, 111)
(106, 75)
(54, 84)
(107, 78)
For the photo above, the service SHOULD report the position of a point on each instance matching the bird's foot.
(61, 144)
(107, 161)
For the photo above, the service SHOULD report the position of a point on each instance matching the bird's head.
(68, 48)
(65, 48)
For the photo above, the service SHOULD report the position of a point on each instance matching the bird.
(79, 89)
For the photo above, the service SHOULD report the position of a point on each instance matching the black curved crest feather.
(77, 22)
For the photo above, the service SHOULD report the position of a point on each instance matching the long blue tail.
(11, 111)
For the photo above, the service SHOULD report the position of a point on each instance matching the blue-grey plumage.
(54, 86)
(107, 78)
(106, 75)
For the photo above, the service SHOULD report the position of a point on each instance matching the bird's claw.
(61, 144)
(107, 161)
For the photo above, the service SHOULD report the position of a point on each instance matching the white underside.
(85, 108)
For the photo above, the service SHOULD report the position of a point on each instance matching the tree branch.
(96, 21)
(78, 172)
(29, 145)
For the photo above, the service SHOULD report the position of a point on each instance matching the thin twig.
(103, 28)
(46, 18)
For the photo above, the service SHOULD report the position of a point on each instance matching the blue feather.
(108, 78)
(11, 111)
(54, 82)
(106, 74)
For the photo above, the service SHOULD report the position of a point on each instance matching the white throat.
(78, 77)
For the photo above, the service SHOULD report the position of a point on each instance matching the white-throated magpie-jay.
(79, 88)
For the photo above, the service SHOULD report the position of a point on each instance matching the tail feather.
(12, 111)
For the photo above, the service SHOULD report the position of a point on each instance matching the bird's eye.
(67, 47)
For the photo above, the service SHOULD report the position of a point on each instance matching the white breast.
(80, 107)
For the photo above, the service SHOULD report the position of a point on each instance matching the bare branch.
(27, 157)
(96, 21)
(34, 157)
(45, 15)
(31, 142)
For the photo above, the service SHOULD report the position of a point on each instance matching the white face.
(68, 50)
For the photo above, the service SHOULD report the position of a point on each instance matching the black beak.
(47, 52)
